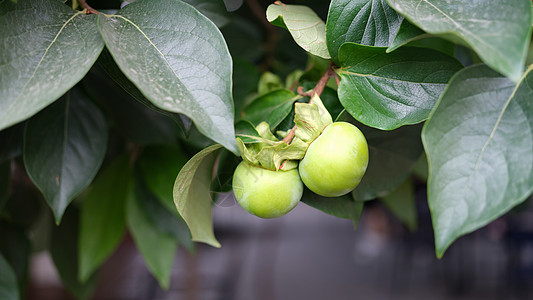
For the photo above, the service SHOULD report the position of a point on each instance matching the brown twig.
(88, 8)
(318, 89)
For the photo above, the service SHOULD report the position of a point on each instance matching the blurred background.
(308, 254)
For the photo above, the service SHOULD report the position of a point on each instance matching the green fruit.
(266, 193)
(336, 161)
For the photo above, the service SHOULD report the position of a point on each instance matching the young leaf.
(341, 207)
(498, 30)
(157, 248)
(8, 281)
(305, 26)
(366, 22)
(103, 216)
(64, 251)
(51, 47)
(387, 91)
(178, 59)
(401, 203)
(271, 108)
(64, 146)
(192, 195)
(479, 143)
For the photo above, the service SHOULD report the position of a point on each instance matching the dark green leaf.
(213, 9)
(342, 207)
(64, 146)
(392, 155)
(8, 281)
(271, 108)
(246, 131)
(193, 197)
(245, 78)
(16, 249)
(5, 181)
(406, 33)
(51, 47)
(305, 26)
(110, 67)
(387, 91)
(160, 218)
(64, 251)
(11, 142)
(401, 203)
(366, 22)
(479, 143)
(178, 59)
(158, 248)
(103, 216)
(498, 30)
(159, 166)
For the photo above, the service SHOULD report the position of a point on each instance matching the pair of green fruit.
(333, 166)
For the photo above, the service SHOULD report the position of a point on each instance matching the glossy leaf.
(246, 132)
(341, 207)
(387, 91)
(271, 108)
(305, 26)
(366, 22)
(406, 33)
(64, 146)
(479, 143)
(51, 47)
(498, 30)
(64, 251)
(103, 216)
(192, 195)
(178, 59)
(8, 281)
(401, 203)
(157, 248)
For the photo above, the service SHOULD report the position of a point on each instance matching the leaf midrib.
(41, 60)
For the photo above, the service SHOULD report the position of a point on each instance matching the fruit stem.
(88, 8)
(318, 89)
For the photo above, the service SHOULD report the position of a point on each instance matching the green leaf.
(8, 281)
(103, 216)
(341, 207)
(392, 156)
(498, 30)
(5, 181)
(479, 143)
(178, 59)
(213, 9)
(305, 26)
(51, 47)
(11, 142)
(246, 132)
(387, 91)
(16, 248)
(192, 195)
(406, 33)
(272, 107)
(159, 216)
(64, 251)
(401, 203)
(64, 146)
(159, 166)
(157, 248)
(366, 22)
(269, 82)
(110, 67)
